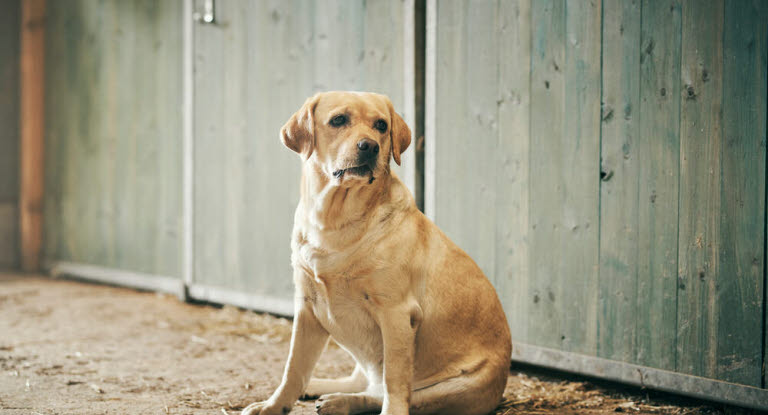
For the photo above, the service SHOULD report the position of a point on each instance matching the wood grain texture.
(481, 141)
(664, 90)
(114, 135)
(722, 200)
(31, 132)
(579, 215)
(253, 70)
(700, 188)
(564, 174)
(619, 189)
(546, 176)
(674, 81)
(657, 151)
(467, 127)
(511, 269)
(740, 275)
(9, 134)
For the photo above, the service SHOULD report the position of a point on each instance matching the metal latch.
(208, 15)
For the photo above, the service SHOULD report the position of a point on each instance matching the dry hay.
(530, 395)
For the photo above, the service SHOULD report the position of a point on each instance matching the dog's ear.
(298, 133)
(399, 132)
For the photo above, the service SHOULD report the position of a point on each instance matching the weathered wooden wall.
(253, 69)
(604, 162)
(9, 133)
(113, 134)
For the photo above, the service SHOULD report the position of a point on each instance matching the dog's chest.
(321, 262)
(334, 286)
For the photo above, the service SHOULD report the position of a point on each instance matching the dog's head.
(349, 136)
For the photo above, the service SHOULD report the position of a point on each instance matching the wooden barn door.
(254, 65)
(605, 164)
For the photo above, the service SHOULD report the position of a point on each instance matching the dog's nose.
(367, 147)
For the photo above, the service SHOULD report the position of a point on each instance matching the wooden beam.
(32, 120)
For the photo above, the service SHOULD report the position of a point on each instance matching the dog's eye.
(338, 120)
(380, 125)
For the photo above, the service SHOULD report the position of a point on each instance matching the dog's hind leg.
(475, 393)
(349, 403)
(356, 382)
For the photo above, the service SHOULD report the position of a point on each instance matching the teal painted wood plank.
(564, 174)
(700, 187)
(252, 72)
(579, 215)
(113, 167)
(467, 127)
(619, 190)
(9, 134)
(658, 154)
(740, 276)
(722, 205)
(512, 271)
(546, 173)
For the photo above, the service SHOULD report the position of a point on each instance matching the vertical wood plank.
(616, 331)
(56, 83)
(700, 187)
(114, 135)
(564, 174)
(31, 129)
(658, 154)
(467, 126)
(9, 135)
(511, 274)
(580, 212)
(546, 171)
(339, 46)
(739, 280)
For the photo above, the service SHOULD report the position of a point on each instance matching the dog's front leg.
(398, 329)
(307, 342)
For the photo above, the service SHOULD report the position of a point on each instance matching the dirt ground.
(68, 347)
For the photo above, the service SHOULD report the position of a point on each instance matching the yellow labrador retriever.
(415, 312)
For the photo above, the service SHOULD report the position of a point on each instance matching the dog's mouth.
(359, 171)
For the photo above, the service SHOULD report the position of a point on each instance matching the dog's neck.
(332, 205)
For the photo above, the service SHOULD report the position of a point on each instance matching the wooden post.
(31, 125)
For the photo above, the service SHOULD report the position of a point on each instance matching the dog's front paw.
(264, 408)
(333, 404)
